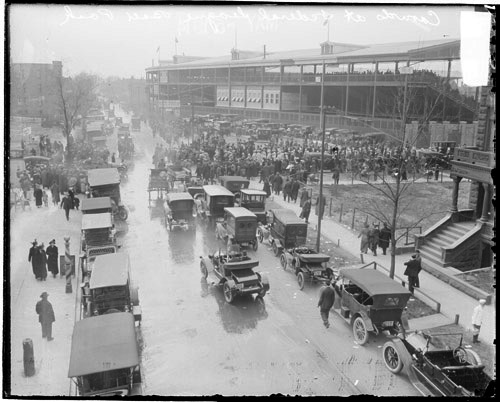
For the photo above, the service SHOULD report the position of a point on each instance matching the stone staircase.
(431, 250)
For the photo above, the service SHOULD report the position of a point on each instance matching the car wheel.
(301, 280)
(359, 331)
(260, 235)
(123, 214)
(228, 293)
(204, 270)
(276, 251)
(283, 261)
(392, 360)
(255, 245)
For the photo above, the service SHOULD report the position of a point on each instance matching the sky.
(124, 40)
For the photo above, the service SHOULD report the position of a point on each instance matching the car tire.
(392, 359)
(301, 280)
(123, 214)
(260, 235)
(228, 293)
(276, 250)
(204, 270)
(360, 331)
(283, 261)
(255, 245)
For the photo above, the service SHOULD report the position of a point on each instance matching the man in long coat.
(326, 301)
(413, 268)
(45, 316)
(384, 237)
(32, 257)
(52, 258)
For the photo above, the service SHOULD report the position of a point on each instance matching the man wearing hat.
(45, 315)
(31, 257)
(413, 267)
(326, 301)
(477, 320)
(52, 258)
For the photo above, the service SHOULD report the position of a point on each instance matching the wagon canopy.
(103, 343)
(287, 216)
(96, 221)
(110, 270)
(90, 204)
(374, 282)
(103, 177)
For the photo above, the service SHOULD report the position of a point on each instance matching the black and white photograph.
(210, 200)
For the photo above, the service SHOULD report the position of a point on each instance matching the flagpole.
(328, 31)
(176, 46)
(159, 55)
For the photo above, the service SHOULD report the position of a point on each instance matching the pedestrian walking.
(54, 189)
(326, 301)
(477, 320)
(336, 175)
(320, 207)
(267, 187)
(295, 190)
(45, 199)
(113, 158)
(32, 257)
(384, 237)
(364, 238)
(45, 316)
(52, 258)
(287, 191)
(66, 205)
(374, 238)
(304, 196)
(306, 210)
(413, 268)
(38, 194)
(42, 269)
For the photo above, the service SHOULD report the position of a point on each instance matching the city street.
(240, 349)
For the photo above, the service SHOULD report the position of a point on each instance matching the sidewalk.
(51, 358)
(452, 300)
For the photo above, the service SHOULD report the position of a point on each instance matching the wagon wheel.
(392, 360)
(460, 355)
(283, 261)
(204, 270)
(260, 235)
(228, 293)
(359, 331)
(255, 245)
(301, 280)
(276, 251)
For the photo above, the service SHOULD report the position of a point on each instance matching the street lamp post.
(322, 127)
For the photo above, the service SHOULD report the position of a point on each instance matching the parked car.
(98, 236)
(106, 183)
(104, 359)
(97, 205)
(179, 211)
(308, 265)
(455, 371)
(234, 183)
(109, 289)
(178, 173)
(255, 201)
(213, 201)
(240, 227)
(234, 272)
(283, 230)
(370, 301)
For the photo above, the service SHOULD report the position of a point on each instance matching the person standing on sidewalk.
(306, 210)
(326, 301)
(52, 258)
(66, 205)
(45, 315)
(364, 238)
(477, 320)
(32, 257)
(42, 270)
(412, 270)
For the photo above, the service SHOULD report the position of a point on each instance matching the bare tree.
(395, 192)
(76, 95)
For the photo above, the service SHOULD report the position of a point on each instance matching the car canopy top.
(103, 343)
(250, 191)
(90, 204)
(182, 196)
(287, 216)
(37, 159)
(215, 190)
(103, 177)
(314, 258)
(110, 270)
(96, 221)
(373, 282)
(240, 212)
(246, 264)
(227, 179)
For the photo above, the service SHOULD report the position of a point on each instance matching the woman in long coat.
(54, 189)
(38, 193)
(32, 257)
(42, 269)
(52, 258)
(364, 238)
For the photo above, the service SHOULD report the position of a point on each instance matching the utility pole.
(322, 127)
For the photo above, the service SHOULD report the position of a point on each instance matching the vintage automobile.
(234, 183)
(213, 201)
(179, 211)
(109, 289)
(178, 173)
(135, 124)
(97, 238)
(437, 371)
(370, 301)
(234, 272)
(104, 359)
(283, 230)
(240, 227)
(106, 183)
(308, 265)
(159, 182)
(255, 201)
(97, 205)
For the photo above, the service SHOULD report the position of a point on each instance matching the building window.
(267, 98)
(277, 98)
